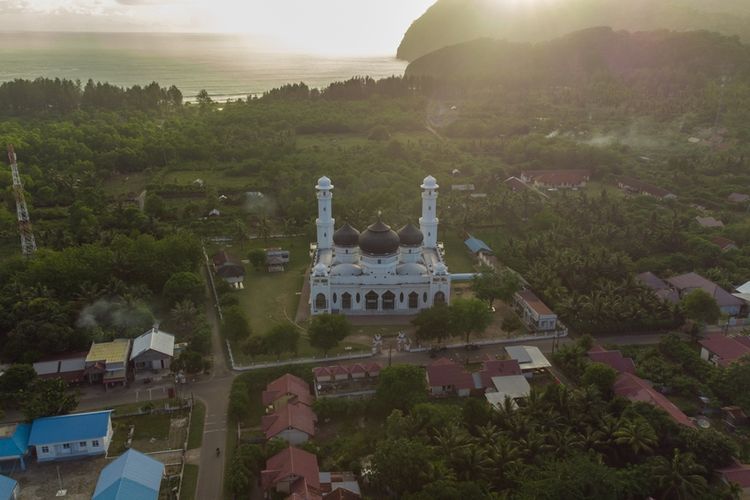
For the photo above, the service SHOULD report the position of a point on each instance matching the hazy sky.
(329, 26)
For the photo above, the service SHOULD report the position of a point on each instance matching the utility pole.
(28, 242)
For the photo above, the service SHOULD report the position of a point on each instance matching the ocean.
(227, 66)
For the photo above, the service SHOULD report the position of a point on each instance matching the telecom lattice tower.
(28, 243)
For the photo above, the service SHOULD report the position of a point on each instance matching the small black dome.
(379, 239)
(410, 236)
(346, 236)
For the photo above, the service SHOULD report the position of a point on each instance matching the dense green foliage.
(450, 22)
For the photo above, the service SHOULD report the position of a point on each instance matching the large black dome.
(346, 236)
(410, 236)
(379, 239)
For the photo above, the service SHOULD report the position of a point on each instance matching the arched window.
(424, 297)
(358, 298)
(371, 301)
(439, 299)
(413, 300)
(334, 298)
(346, 300)
(401, 297)
(320, 302)
(389, 301)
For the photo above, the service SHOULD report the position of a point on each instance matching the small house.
(613, 359)
(357, 371)
(339, 373)
(14, 444)
(228, 268)
(637, 186)
(276, 259)
(446, 378)
(530, 359)
(515, 387)
(373, 369)
(634, 388)
(686, 283)
(294, 423)
(69, 367)
(738, 474)
(557, 179)
(535, 313)
(214, 212)
(722, 350)
(322, 375)
(495, 368)
(9, 489)
(291, 471)
(725, 244)
(71, 436)
(107, 362)
(153, 351)
(660, 287)
(287, 389)
(739, 198)
(709, 222)
(130, 476)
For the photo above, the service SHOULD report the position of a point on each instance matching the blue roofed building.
(14, 443)
(70, 436)
(132, 476)
(481, 251)
(8, 488)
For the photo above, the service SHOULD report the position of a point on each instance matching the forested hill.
(690, 57)
(449, 22)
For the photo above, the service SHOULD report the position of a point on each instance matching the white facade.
(60, 451)
(378, 272)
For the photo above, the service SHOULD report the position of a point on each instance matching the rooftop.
(7, 485)
(291, 416)
(686, 282)
(635, 388)
(497, 368)
(528, 357)
(614, 359)
(132, 475)
(738, 473)
(288, 463)
(476, 245)
(109, 352)
(285, 385)
(67, 428)
(709, 222)
(728, 349)
(14, 440)
(444, 372)
(153, 340)
(534, 303)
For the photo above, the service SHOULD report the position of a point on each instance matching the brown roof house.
(724, 243)
(660, 287)
(287, 389)
(292, 471)
(614, 359)
(294, 423)
(722, 350)
(446, 378)
(637, 186)
(228, 268)
(557, 179)
(636, 389)
(686, 283)
(738, 474)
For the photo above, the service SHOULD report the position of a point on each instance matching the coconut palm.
(637, 435)
(184, 314)
(680, 478)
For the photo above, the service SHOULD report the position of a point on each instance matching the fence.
(296, 361)
(513, 340)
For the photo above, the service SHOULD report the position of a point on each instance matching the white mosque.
(379, 271)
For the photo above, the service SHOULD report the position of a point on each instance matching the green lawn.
(189, 482)
(195, 434)
(271, 298)
(456, 254)
(147, 427)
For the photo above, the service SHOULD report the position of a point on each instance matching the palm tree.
(240, 232)
(504, 457)
(680, 478)
(637, 435)
(184, 314)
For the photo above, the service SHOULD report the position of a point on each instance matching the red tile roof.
(498, 368)
(321, 371)
(287, 385)
(337, 370)
(642, 187)
(635, 388)
(289, 464)
(291, 416)
(515, 184)
(445, 372)
(737, 473)
(723, 243)
(728, 349)
(357, 368)
(373, 368)
(342, 494)
(558, 177)
(535, 303)
(615, 359)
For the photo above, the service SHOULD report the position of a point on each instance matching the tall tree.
(469, 316)
(491, 285)
(327, 330)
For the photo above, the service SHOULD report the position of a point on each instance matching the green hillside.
(450, 22)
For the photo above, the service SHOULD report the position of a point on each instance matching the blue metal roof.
(7, 485)
(476, 245)
(132, 476)
(17, 444)
(68, 428)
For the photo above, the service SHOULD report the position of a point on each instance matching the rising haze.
(331, 26)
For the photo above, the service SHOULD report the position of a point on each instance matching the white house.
(153, 350)
(68, 436)
(514, 387)
(379, 271)
(529, 358)
(535, 313)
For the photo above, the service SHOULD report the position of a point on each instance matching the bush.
(235, 326)
(184, 286)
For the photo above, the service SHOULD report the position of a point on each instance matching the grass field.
(456, 255)
(154, 427)
(189, 482)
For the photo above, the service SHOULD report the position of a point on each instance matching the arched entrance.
(389, 301)
(413, 300)
(346, 301)
(321, 303)
(439, 299)
(371, 301)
